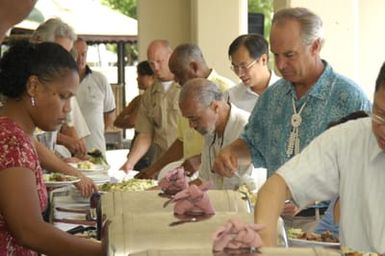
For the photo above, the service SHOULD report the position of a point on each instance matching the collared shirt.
(95, 97)
(157, 115)
(188, 134)
(346, 161)
(329, 99)
(243, 97)
(212, 145)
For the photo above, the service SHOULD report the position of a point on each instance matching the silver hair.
(52, 28)
(311, 24)
(202, 90)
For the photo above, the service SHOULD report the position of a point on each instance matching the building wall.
(212, 24)
(354, 38)
(165, 19)
(215, 24)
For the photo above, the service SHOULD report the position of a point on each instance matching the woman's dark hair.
(144, 69)
(48, 61)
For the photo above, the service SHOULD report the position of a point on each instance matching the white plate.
(95, 167)
(57, 184)
(119, 175)
(310, 243)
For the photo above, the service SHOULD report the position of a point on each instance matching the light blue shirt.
(332, 97)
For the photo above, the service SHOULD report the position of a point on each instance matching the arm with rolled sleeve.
(143, 141)
(310, 176)
(108, 104)
(317, 167)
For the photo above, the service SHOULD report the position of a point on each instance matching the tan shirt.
(157, 115)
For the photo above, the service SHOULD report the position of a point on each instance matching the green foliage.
(265, 7)
(127, 7)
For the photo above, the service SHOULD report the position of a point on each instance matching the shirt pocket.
(155, 113)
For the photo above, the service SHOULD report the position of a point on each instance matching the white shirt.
(95, 97)
(344, 160)
(166, 84)
(243, 97)
(234, 127)
(77, 120)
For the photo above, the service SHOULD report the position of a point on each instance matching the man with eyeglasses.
(298, 107)
(220, 123)
(346, 161)
(249, 55)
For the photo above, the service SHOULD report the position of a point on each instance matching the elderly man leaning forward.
(220, 123)
(297, 108)
(158, 111)
(187, 62)
(347, 160)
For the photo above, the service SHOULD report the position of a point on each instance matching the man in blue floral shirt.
(297, 108)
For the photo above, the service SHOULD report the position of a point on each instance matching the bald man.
(158, 111)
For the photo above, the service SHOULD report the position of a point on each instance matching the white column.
(214, 25)
(353, 36)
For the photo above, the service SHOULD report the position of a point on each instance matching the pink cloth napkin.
(236, 235)
(193, 200)
(174, 181)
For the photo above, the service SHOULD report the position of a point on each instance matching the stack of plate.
(97, 172)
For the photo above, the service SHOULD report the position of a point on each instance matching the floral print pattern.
(329, 99)
(17, 150)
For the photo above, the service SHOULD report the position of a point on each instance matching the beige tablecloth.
(132, 233)
(265, 252)
(116, 203)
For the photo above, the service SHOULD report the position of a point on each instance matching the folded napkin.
(174, 181)
(237, 235)
(193, 200)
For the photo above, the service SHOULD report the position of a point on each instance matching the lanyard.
(296, 120)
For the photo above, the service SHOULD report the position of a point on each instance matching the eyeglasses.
(378, 119)
(243, 68)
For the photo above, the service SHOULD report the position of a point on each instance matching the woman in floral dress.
(37, 82)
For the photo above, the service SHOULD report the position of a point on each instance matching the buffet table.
(140, 225)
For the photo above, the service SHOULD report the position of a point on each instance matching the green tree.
(266, 8)
(127, 7)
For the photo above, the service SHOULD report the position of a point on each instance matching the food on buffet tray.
(56, 180)
(250, 195)
(96, 157)
(86, 165)
(58, 177)
(327, 236)
(129, 185)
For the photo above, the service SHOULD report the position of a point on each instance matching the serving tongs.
(84, 210)
(80, 229)
(190, 218)
(241, 251)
